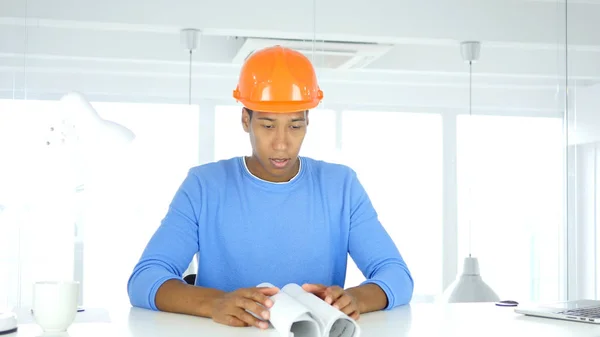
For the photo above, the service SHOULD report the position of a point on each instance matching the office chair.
(192, 270)
(190, 279)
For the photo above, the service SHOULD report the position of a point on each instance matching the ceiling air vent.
(323, 54)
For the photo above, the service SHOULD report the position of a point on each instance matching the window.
(232, 141)
(36, 194)
(230, 138)
(510, 178)
(321, 135)
(137, 185)
(398, 159)
(113, 199)
(510, 182)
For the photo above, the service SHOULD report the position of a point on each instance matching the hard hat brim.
(279, 107)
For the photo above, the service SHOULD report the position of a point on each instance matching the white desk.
(454, 320)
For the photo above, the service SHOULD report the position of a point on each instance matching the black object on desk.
(507, 303)
(6, 332)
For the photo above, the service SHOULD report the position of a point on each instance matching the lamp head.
(469, 287)
(90, 125)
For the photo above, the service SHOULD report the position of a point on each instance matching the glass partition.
(497, 159)
(582, 106)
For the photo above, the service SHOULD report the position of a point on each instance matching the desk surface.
(460, 320)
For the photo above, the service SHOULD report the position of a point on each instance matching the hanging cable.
(190, 81)
(470, 87)
(189, 39)
(25, 52)
(471, 152)
(470, 53)
(314, 30)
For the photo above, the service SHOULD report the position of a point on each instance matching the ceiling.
(401, 55)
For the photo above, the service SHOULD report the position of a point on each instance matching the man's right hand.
(234, 308)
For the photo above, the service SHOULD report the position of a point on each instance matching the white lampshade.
(91, 128)
(469, 286)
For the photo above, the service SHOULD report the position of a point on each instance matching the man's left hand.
(337, 297)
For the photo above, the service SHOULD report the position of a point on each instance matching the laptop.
(587, 311)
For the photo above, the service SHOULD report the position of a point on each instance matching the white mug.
(55, 304)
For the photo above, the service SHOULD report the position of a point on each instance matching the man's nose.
(280, 142)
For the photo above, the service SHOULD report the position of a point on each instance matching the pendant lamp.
(469, 285)
(189, 40)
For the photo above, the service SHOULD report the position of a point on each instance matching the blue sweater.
(247, 231)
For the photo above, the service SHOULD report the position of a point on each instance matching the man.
(272, 217)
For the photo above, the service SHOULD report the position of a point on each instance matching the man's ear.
(245, 120)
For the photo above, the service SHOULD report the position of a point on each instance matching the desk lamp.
(82, 126)
(84, 123)
(469, 286)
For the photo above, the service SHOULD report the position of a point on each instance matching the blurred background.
(502, 163)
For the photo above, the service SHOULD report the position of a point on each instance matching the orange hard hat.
(278, 79)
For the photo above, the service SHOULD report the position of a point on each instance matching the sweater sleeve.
(373, 250)
(171, 248)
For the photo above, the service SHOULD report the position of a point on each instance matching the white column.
(585, 244)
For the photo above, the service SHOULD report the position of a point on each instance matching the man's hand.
(337, 297)
(230, 308)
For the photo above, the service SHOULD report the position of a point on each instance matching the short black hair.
(249, 112)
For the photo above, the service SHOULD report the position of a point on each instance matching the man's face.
(276, 139)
